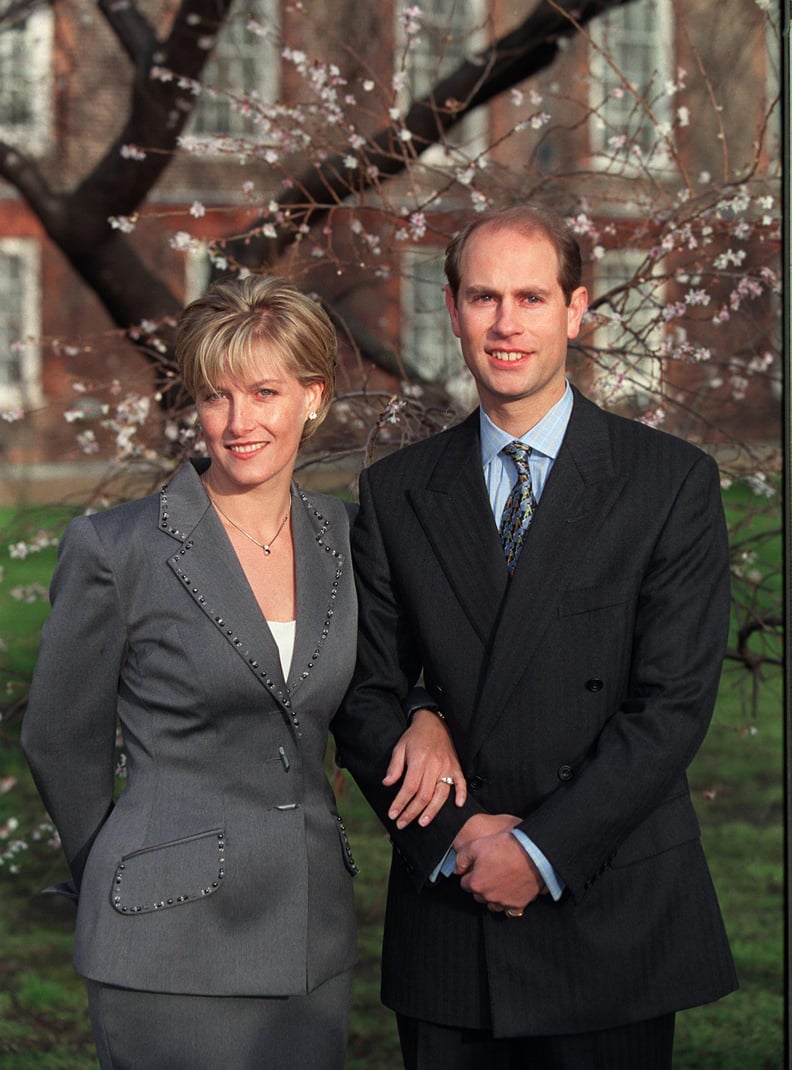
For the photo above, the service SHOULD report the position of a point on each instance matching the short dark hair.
(529, 219)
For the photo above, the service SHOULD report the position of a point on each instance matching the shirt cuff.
(445, 867)
(555, 885)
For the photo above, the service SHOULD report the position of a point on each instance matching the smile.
(248, 448)
(510, 356)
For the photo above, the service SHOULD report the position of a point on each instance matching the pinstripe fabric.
(576, 692)
(645, 1045)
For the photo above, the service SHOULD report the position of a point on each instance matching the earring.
(312, 415)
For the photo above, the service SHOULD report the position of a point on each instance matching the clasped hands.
(492, 864)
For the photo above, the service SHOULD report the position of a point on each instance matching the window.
(244, 64)
(628, 339)
(450, 31)
(197, 272)
(430, 350)
(20, 318)
(631, 68)
(25, 82)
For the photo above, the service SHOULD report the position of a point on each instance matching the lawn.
(736, 781)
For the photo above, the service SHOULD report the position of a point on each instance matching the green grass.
(736, 782)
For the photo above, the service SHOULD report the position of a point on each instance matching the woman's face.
(252, 425)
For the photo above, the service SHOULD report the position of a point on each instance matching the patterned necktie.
(520, 504)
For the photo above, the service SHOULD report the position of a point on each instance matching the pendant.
(266, 549)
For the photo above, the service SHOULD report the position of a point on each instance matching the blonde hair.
(221, 333)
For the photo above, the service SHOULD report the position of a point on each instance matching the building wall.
(85, 358)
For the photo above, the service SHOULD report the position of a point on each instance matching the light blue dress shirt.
(500, 474)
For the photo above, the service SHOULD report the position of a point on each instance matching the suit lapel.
(578, 494)
(319, 563)
(204, 563)
(207, 567)
(454, 511)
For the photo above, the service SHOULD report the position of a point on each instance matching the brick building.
(644, 106)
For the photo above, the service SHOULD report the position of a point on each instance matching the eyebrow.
(256, 384)
(526, 291)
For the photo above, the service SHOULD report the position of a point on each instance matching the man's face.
(513, 324)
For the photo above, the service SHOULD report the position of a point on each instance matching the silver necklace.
(265, 546)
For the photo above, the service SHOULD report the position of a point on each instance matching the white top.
(283, 632)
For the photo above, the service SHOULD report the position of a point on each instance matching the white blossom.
(183, 242)
(125, 223)
(132, 152)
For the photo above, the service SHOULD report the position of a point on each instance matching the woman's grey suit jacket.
(223, 868)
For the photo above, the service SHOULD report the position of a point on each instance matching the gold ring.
(445, 780)
(513, 913)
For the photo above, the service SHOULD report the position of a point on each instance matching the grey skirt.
(137, 1030)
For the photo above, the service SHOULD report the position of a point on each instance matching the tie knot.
(519, 454)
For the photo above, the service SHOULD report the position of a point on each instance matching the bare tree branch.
(159, 108)
(518, 55)
(131, 27)
(77, 222)
(158, 113)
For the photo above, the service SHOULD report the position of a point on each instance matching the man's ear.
(577, 306)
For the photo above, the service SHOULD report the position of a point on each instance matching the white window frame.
(429, 347)
(197, 272)
(20, 324)
(425, 65)
(26, 63)
(641, 31)
(623, 376)
(239, 53)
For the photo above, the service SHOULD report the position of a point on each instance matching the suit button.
(475, 783)
(594, 684)
(565, 772)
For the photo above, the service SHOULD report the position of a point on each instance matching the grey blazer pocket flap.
(169, 874)
(671, 824)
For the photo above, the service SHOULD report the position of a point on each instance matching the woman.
(217, 620)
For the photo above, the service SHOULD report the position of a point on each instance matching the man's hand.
(484, 825)
(423, 755)
(495, 868)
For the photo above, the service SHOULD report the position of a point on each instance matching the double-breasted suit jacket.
(577, 693)
(223, 868)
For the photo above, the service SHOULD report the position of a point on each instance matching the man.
(574, 656)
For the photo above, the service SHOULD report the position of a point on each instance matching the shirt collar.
(544, 437)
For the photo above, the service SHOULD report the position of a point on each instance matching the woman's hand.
(424, 756)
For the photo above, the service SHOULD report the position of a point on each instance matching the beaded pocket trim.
(169, 874)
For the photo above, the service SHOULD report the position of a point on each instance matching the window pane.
(429, 348)
(451, 30)
(243, 66)
(25, 81)
(19, 322)
(629, 75)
